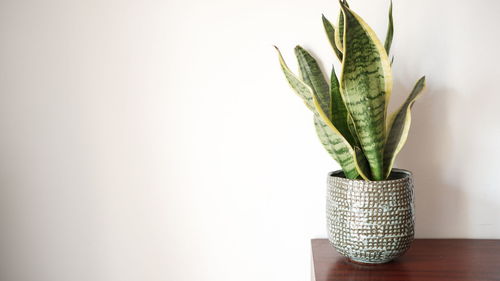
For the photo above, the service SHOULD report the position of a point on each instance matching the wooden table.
(427, 260)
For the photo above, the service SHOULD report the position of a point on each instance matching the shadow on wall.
(441, 207)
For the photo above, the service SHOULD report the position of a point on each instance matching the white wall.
(158, 140)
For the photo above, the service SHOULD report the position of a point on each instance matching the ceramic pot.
(370, 221)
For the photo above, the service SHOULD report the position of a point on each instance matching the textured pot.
(370, 221)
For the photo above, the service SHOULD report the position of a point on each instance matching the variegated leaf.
(339, 111)
(311, 74)
(339, 36)
(366, 85)
(390, 33)
(399, 126)
(297, 85)
(330, 33)
(338, 147)
(325, 137)
(352, 130)
(333, 141)
(362, 162)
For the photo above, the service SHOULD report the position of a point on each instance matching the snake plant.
(350, 112)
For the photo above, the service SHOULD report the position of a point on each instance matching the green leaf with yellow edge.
(362, 162)
(330, 33)
(339, 111)
(311, 74)
(390, 33)
(339, 35)
(366, 85)
(352, 130)
(399, 126)
(336, 145)
(336, 114)
(300, 88)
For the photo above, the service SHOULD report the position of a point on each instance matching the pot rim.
(404, 175)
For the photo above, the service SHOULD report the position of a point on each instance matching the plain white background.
(158, 140)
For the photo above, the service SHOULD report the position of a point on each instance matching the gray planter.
(370, 221)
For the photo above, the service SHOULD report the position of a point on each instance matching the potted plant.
(370, 204)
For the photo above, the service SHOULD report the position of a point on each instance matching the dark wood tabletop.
(426, 260)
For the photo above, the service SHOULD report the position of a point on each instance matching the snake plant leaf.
(399, 126)
(324, 136)
(339, 35)
(362, 163)
(352, 130)
(330, 33)
(312, 75)
(337, 150)
(333, 146)
(390, 32)
(366, 85)
(339, 111)
(297, 85)
(338, 147)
